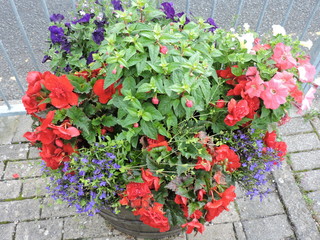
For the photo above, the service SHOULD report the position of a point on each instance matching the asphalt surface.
(36, 24)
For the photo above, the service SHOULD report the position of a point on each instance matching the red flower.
(152, 181)
(154, 217)
(193, 224)
(105, 94)
(65, 130)
(159, 142)
(271, 142)
(180, 200)
(215, 207)
(253, 104)
(54, 156)
(237, 111)
(224, 154)
(136, 195)
(15, 175)
(34, 80)
(200, 194)
(62, 95)
(203, 164)
(239, 88)
(31, 104)
(226, 74)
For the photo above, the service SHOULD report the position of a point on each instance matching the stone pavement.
(291, 211)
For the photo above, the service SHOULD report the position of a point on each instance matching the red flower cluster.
(53, 150)
(105, 94)
(139, 197)
(215, 207)
(270, 139)
(159, 142)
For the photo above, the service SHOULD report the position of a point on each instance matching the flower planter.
(127, 223)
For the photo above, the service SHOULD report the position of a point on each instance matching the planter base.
(127, 223)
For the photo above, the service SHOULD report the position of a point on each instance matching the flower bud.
(135, 125)
(155, 100)
(121, 66)
(189, 103)
(220, 103)
(114, 71)
(163, 49)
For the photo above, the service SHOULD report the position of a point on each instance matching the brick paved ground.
(292, 210)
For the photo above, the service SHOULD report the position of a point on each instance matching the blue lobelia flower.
(56, 17)
(117, 5)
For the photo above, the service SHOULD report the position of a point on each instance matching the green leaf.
(149, 129)
(79, 118)
(153, 52)
(264, 112)
(146, 116)
(129, 120)
(145, 87)
(172, 120)
(108, 121)
(155, 114)
(130, 52)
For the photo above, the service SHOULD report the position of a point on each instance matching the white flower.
(232, 30)
(246, 26)
(277, 29)
(82, 13)
(246, 41)
(308, 44)
(317, 81)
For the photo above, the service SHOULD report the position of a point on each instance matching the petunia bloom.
(56, 34)
(306, 70)
(275, 94)
(56, 18)
(283, 58)
(117, 5)
(167, 8)
(254, 86)
(98, 35)
(213, 24)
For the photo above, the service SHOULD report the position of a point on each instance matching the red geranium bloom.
(65, 130)
(200, 194)
(224, 153)
(239, 88)
(237, 111)
(180, 200)
(62, 95)
(34, 80)
(253, 104)
(54, 156)
(226, 74)
(31, 104)
(159, 142)
(193, 224)
(154, 217)
(152, 181)
(105, 94)
(136, 195)
(203, 164)
(271, 142)
(215, 207)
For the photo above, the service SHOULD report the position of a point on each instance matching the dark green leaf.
(149, 129)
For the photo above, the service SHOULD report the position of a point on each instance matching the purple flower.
(180, 15)
(56, 17)
(168, 9)
(110, 155)
(67, 68)
(116, 166)
(213, 24)
(82, 173)
(84, 19)
(46, 58)
(98, 35)
(56, 34)
(117, 5)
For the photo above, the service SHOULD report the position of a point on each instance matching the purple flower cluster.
(167, 8)
(85, 183)
(117, 5)
(257, 161)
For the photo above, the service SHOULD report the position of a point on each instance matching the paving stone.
(85, 227)
(315, 197)
(240, 192)
(7, 231)
(238, 227)
(273, 227)
(310, 180)
(34, 187)
(10, 189)
(33, 153)
(305, 160)
(227, 216)
(302, 142)
(250, 209)
(8, 125)
(1, 169)
(24, 125)
(296, 208)
(216, 232)
(296, 125)
(51, 208)
(28, 168)
(28, 209)
(40, 230)
(316, 123)
(13, 151)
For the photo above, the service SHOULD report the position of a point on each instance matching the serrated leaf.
(79, 118)
(108, 121)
